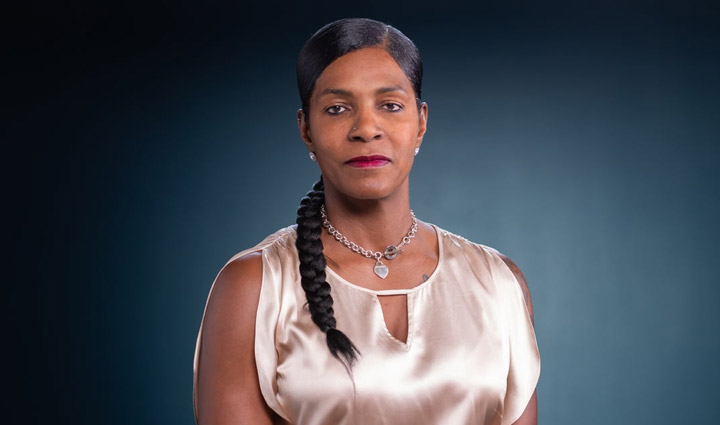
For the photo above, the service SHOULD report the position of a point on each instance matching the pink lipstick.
(368, 161)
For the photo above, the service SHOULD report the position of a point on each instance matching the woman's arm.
(529, 416)
(228, 390)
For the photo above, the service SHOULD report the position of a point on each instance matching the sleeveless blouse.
(470, 358)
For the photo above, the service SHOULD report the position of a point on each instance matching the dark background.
(146, 142)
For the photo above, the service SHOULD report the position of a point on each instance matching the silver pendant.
(381, 270)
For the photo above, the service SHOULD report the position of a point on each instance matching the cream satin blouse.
(470, 357)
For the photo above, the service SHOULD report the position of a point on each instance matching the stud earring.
(416, 151)
(313, 157)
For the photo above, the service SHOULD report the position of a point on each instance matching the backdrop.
(146, 143)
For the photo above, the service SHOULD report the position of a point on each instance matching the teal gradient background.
(148, 143)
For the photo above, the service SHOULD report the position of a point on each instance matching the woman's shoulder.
(241, 276)
(493, 257)
(459, 241)
(283, 238)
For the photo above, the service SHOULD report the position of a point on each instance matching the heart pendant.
(381, 270)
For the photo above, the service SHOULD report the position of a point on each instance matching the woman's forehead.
(371, 69)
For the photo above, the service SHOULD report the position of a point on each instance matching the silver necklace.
(390, 252)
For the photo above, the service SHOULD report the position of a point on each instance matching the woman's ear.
(422, 128)
(304, 128)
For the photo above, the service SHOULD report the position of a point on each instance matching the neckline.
(406, 291)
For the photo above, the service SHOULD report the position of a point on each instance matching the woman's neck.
(373, 224)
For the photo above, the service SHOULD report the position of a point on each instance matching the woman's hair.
(346, 35)
(327, 44)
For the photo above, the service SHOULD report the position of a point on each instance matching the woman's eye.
(392, 107)
(335, 109)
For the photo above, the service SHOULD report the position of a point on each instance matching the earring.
(314, 158)
(416, 151)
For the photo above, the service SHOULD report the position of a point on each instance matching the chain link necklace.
(390, 252)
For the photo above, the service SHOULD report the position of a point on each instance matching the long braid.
(312, 272)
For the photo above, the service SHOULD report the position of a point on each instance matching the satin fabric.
(470, 358)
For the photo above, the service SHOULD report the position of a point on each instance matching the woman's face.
(364, 125)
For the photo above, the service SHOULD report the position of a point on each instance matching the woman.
(363, 314)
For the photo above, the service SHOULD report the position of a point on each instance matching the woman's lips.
(368, 161)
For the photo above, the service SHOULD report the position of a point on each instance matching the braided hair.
(312, 274)
(327, 44)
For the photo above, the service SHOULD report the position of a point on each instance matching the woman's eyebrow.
(343, 92)
(389, 89)
(331, 90)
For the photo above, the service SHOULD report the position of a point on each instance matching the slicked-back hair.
(346, 35)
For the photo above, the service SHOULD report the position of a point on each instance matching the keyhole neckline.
(403, 291)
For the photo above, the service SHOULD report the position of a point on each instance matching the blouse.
(470, 356)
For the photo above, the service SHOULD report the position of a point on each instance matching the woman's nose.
(366, 126)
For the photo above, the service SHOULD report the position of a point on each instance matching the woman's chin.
(370, 192)
(368, 187)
